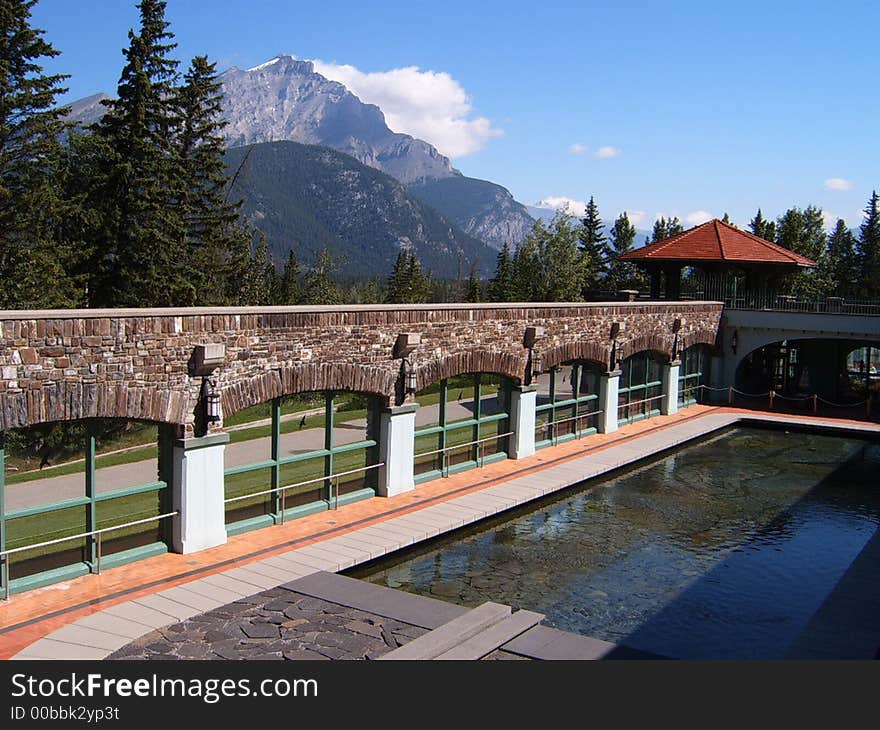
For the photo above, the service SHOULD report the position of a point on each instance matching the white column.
(608, 391)
(523, 401)
(198, 493)
(397, 443)
(669, 402)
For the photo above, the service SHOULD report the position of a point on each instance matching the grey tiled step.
(451, 634)
(493, 637)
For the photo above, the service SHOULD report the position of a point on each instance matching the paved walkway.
(92, 616)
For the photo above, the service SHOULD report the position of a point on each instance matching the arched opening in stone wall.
(309, 452)
(69, 492)
(640, 387)
(462, 422)
(693, 374)
(567, 402)
(843, 376)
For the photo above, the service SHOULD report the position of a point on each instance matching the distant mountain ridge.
(285, 99)
(308, 197)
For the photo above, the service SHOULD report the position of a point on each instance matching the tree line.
(135, 209)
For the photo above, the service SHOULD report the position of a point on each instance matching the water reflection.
(724, 549)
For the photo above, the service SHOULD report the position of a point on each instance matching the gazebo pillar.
(673, 282)
(655, 282)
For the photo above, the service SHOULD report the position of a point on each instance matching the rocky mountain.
(285, 99)
(308, 197)
(88, 110)
(481, 208)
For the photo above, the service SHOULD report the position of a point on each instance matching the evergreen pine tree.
(501, 286)
(623, 274)
(396, 290)
(474, 288)
(869, 249)
(260, 283)
(839, 267)
(594, 245)
(140, 259)
(320, 286)
(803, 232)
(33, 262)
(289, 288)
(658, 233)
(763, 228)
(563, 263)
(526, 274)
(211, 223)
(674, 227)
(419, 280)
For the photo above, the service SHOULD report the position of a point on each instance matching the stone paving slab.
(163, 604)
(214, 591)
(93, 638)
(223, 580)
(47, 648)
(246, 575)
(132, 611)
(112, 625)
(189, 598)
(279, 575)
(406, 607)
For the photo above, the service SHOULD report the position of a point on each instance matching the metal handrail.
(553, 424)
(4, 555)
(317, 480)
(467, 443)
(444, 468)
(639, 402)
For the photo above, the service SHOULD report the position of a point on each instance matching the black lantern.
(733, 342)
(410, 382)
(537, 363)
(210, 401)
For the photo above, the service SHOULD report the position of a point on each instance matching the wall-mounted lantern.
(616, 329)
(734, 340)
(535, 362)
(210, 401)
(676, 328)
(404, 346)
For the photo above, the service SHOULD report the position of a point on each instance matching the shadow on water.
(721, 550)
(760, 598)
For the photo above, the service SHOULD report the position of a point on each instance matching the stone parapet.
(137, 364)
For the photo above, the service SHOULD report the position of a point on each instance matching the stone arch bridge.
(139, 363)
(152, 365)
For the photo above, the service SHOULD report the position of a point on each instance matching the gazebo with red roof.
(721, 251)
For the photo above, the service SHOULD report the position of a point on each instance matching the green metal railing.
(324, 460)
(20, 527)
(446, 432)
(95, 539)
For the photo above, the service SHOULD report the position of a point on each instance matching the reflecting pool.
(724, 549)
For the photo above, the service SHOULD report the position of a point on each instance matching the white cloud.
(697, 217)
(607, 152)
(838, 183)
(570, 205)
(635, 216)
(430, 105)
(577, 148)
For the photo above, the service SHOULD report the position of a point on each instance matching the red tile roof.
(715, 240)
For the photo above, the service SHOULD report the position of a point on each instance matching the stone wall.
(136, 364)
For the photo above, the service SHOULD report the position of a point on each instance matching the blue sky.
(685, 108)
